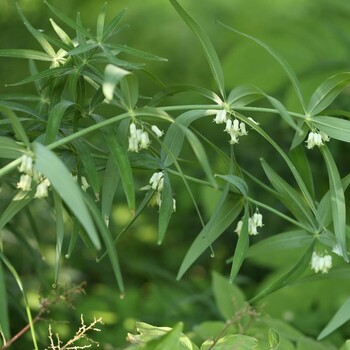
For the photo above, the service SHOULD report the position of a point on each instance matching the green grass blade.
(107, 238)
(336, 128)
(16, 125)
(289, 196)
(225, 213)
(290, 73)
(20, 286)
(327, 92)
(166, 208)
(341, 316)
(54, 120)
(59, 231)
(207, 46)
(241, 247)
(4, 314)
(292, 275)
(62, 181)
(27, 54)
(337, 201)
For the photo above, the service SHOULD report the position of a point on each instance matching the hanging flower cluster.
(234, 128)
(316, 138)
(253, 223)
(30, 175)
(139, 138)
(156, 183)
(321, 262)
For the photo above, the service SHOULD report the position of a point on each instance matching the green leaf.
(27, 54)
(9, 148)
(101, 22)
(237, 182)
(241, 247)
(336, 128)
(112, 25)
(166, 208)
(289, 196)
(4, 314)
(327, 92)
(279, 242)
(228, 297)
(337, 201)
(175, 136)
(62, 181)
(121, 160)
(82, 48)
(16, 125)
(59, 231)
(230, 342)
(341, 316)
(200, 153)
(129, 87)
(243, 95)
(73, 238)
(107, 238)
(292, 275)
(207, 46)
(61, 33)
(54, 120)
(291, 75)
(225, 213)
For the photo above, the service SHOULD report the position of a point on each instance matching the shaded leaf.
(27, 54)
(336, 128)
(230, 342)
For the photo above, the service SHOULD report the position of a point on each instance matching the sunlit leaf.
(336, 128)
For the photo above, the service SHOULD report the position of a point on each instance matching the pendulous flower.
(321, 263)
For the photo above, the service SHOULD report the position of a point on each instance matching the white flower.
(239, 227)
(84, 184)
(316, 139)
(157, 181)
(257, 219)
(24, 182)
(157, 131)
(26, 165)
(337, 250)
(234, 139)
(242, 129)
(132, 129)
(220, 116)
(42, 189)
(144, 140)
(133, 144)
(155, 200)
(174, 205)
(321, 263)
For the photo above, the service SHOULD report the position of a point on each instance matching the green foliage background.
(313, 36)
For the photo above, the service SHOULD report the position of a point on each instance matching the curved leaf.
(334, 127)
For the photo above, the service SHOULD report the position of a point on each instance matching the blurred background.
(314, 38)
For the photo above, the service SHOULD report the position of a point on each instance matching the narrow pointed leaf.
(166, 208)
(112, 76)
(207, 46)
(27, 54)
(327, 92)
(241, 248)
(231, 342)
(61, 33)
(62, 181)
(292, 275)
(225, 213)
(16, 125)
(129, 87)
(243, 95)
(59, 231)
(291, 75)
(342, 316)
(4, 314)
(237, 182)
(9, 148)
(101, 22)
(336, 128)
(73, 238)
(337, 201)
(112, 25)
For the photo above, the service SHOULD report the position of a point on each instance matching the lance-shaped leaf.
(289, 196)
(9, 148)
(327, 92)
(62, 181)
(337, 201)
(237, 182)
(27, 54)
(290, 73)
(334, 127)
(242, 95)
(207, 46)
(236, 341)
(4, 314)
(226, 212)
(341, 316)
(166, 208)
(292, 275)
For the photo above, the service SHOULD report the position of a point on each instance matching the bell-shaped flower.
(316, 139)
(42, 189)
(25, 182)
(144, 140)
(221, 116)
(84, 184)
(157, 131)
(321, 262)
(157, 181)
(26, 166)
